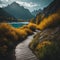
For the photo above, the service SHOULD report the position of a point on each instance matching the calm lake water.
(18, 24)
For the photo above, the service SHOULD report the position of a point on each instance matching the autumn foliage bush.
(32, 26)
(51, 20)
(27, 29)
(10, 36)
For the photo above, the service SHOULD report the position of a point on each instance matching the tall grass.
(51, 20)
(10, 36)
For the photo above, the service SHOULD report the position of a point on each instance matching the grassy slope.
(10, 36)
(46, 44)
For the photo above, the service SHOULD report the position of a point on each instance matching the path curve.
(23, 52)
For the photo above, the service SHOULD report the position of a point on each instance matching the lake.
(18, 24)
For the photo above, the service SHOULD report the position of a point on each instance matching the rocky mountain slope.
(18, 11)
(46, 44)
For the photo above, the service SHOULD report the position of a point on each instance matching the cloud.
(26, 4)
(2, 5)
(29, 4)
(7, 0)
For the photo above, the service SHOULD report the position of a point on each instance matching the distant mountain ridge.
(18, 11)
(35, 12)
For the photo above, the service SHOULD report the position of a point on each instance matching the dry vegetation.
(32, 26)
(39, 17)
(46, 44)
(10, 36)
(50, 21)
(48, 50)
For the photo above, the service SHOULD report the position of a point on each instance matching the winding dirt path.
(23, 52)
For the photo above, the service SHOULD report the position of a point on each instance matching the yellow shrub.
(50, 20)
(23, 27)
(40, 45)
(28, 31)
(11, 33)
(21, 32)
(32, 26)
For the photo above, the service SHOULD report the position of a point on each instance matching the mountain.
(18, 11)
(35, 12)
(5, 16)
(52, 8)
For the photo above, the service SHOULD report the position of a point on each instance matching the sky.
(29, 4)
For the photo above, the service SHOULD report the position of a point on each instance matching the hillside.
(46, 43)
(5, 17)
(50, 9)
